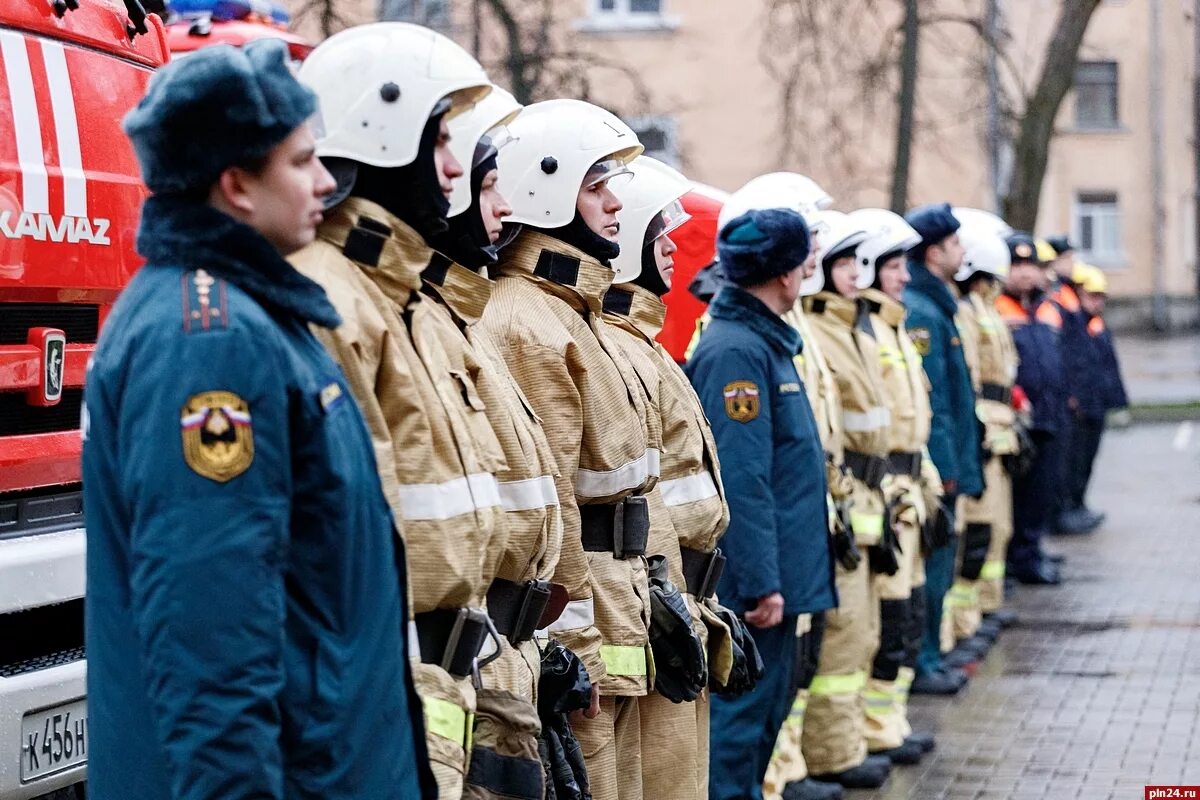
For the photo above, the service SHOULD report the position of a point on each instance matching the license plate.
(53, 739)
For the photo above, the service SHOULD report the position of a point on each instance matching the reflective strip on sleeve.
(623, 659)
(445, 719)
(992, 571)
(426, 501)
(827, 685)
(692, 489)
(606, 483)
(414, 640)
(866, 525)
(799, 707)
(576, 614)
(865, 421)
(528, 494)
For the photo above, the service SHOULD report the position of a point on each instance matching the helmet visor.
(667, 220)
(605, 170)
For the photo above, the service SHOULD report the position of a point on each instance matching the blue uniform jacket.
(1073, 338)
(1103, 390)
(954, 436)
(772, 462)
(1035, 325)
(245, 584)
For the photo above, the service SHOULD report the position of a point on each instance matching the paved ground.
(1096, 691)
(1161, 370)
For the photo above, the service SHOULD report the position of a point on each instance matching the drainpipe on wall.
(1160, 316)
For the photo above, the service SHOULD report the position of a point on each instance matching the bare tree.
(906, 104)
(1032, 146)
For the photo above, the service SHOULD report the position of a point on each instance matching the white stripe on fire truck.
(26, 123)
(66, 128)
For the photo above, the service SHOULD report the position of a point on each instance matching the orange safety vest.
(1015, 314)
(1066, 296)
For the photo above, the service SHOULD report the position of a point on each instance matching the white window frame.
(670, 129)
(622, 19)
(1106, 227)
(1115, 124)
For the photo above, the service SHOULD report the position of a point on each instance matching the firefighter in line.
(777, 544)
(387, 145)
(954, 437)
(676, 715)
(883, 277)
(835, 744)
(504, 760)
(544, 316)
(239, 545)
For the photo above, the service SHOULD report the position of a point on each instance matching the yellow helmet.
(1045, 252)
(1090, 279)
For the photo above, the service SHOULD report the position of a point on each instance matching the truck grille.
(26, 513)
(40, 638)
(18, 418)
(80, 323)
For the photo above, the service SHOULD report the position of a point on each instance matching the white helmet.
(652, 208)
(984, 250)
(840, 234)
(887, 232)
(983, 219)
(379, 84)
(489, 116)
(777, 190)
(557, 145)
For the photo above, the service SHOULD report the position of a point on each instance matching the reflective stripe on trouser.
(625, 660)
(960, 613)
(997, 502)
(787, 761)
(903, 687)
(449, 705)
(612, 748)
(834, 723)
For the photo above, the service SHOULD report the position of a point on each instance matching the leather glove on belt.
(564, 687)
(938, 530)
(885, 556)
(679, 664)
(844, 547)
(748, 666)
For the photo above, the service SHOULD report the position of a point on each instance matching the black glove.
(680, 670)
(564, 686)
(844, 547)
(748, 666)
(885, 556)
(1020, 463)
(940, 525)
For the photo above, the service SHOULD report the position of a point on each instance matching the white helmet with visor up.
(888, 234)
(490, 117)
(777, 190)
(559, 147)
(652, 208)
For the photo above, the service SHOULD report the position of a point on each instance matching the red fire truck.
(69, 200)
(697, 242)
(193, 24)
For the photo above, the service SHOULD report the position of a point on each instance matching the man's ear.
(233, 189)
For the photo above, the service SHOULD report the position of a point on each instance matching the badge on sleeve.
(920, 339)
(218, 441)
(741, 401)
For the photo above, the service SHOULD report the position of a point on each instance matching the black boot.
(944, 681)
(809, 789)
(870, 774)
(1043, 574)
(925, 741)
(1004, 617)
(960, 659)
(907, 753)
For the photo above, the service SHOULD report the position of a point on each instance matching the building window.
(1097, 229)
(626, 15)
(659, 135)
(1096, 95)
(430, 13)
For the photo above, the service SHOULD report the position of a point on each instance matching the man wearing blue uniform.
(246, 586)
(777, 544)
(954, 437)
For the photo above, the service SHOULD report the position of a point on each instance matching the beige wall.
(709, 69)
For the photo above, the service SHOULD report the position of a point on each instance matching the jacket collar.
(737, 305)
(563, 270)
(636, 309)
(832, 304)
(889, 310)
(463, 291)
(183, 233)
(926, 283)
(391, 253)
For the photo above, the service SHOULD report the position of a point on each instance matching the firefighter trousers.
(787, 761)
(834, 724)
(612, 748)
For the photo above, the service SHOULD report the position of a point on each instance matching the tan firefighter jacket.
(996, 356)
(545, 318)
(527, 479)
(851, 355)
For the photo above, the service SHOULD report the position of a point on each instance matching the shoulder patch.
(920, 339)
(205, 302)
(741, 401)
(218, 440)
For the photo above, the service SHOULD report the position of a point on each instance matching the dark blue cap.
(1061, 244)
(219, 107)
(762, 244)
(1022, 249)
(934, 222)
